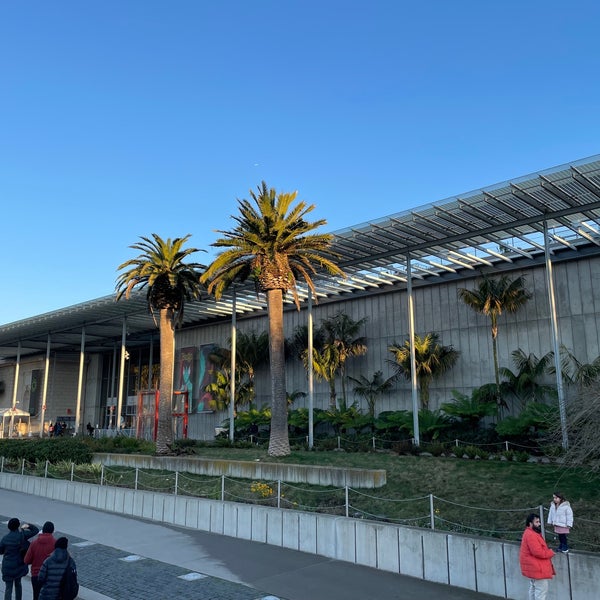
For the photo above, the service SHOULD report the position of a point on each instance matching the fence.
(429, 511)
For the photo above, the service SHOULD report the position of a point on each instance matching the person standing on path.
(13, 546)
(53, 569)
(561, 516)
(41, 548)
(535, 558)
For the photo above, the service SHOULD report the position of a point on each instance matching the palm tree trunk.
(164, 437)
(496, 366)
(279, 443)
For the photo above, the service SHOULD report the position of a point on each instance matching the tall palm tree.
(170, 282)
(492, 297)
(431, 360)
(272, 245)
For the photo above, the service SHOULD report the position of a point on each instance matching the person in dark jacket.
(53, 568)
(13, 546)
(41, 548)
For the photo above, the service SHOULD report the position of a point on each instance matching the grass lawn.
(472, 496)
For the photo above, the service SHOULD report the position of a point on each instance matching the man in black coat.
(14, 546)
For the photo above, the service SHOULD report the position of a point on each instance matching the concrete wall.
(314, 475)
(478, 564)
(438, 309)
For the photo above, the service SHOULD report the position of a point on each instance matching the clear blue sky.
(124, 118)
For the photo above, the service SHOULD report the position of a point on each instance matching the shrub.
(52, 449)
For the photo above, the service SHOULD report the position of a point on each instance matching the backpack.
(69, 586)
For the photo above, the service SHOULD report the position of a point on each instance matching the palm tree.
(431, 360)
(491, 298)
(170, 283)
(334, 342)
(272, 245)
(341, 333)
(524, 384)
(371, 389)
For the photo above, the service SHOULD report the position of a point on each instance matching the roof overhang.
(497, 227)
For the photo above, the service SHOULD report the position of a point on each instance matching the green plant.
(432, 360)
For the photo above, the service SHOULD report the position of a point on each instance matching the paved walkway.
(122, 558)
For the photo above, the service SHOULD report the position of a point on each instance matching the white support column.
(121, 376)
(15, 386)
(45, 386)
(555, 341)
(413, 361)
(80, 382)
(233, 357)
(311, 392)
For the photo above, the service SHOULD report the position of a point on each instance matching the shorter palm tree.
(170, 282)
(371, 389)
(432, 360)
(525, 383)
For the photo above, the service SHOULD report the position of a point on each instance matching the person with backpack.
(14, 546)
(58, 574)
(41, 548)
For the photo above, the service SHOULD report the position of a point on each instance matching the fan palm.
(169, 282)
(431, 360)
(272, 245)
(371, 389)
(492, 297)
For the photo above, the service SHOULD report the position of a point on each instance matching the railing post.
(2, 466)
(347, 502)
(222, 488)
(373, 442)
(542, 521)
(339, 447)
(102, 474)
(506, 445)
(137, 474)
(176, 482)
(279, 493)
(456, 443)
(46, 469)
(23, 467)
(431, 512)
(72, 471)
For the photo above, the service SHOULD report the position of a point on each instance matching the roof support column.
(45, 386)
(80, 381)
(121, 375)
(311, 392)
(233, 357)
(413, 361)
(554, 322)
(150, 359)
(15, 386)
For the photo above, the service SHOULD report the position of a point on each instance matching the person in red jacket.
(536, 558)
(39, 550)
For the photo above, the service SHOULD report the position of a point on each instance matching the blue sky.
(124, 118)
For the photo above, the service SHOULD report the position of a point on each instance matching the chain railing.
(428, 511)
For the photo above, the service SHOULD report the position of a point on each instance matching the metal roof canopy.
(489, 228)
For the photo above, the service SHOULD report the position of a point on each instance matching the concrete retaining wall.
(314, 475)
(478, 564)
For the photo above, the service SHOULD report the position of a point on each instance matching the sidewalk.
(122, 558)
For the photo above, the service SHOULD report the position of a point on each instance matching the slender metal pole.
(80, 381)
(554, 322)
(45, 387)
(233, 357)
(311, 391)
(121, 375)
(413, 360)
(15, 386)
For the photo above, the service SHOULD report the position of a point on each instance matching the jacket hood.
(60, 555)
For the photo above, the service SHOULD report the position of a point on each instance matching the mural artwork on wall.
(207, 374)
(194, 371)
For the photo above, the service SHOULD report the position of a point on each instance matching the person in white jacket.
(561, 516)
